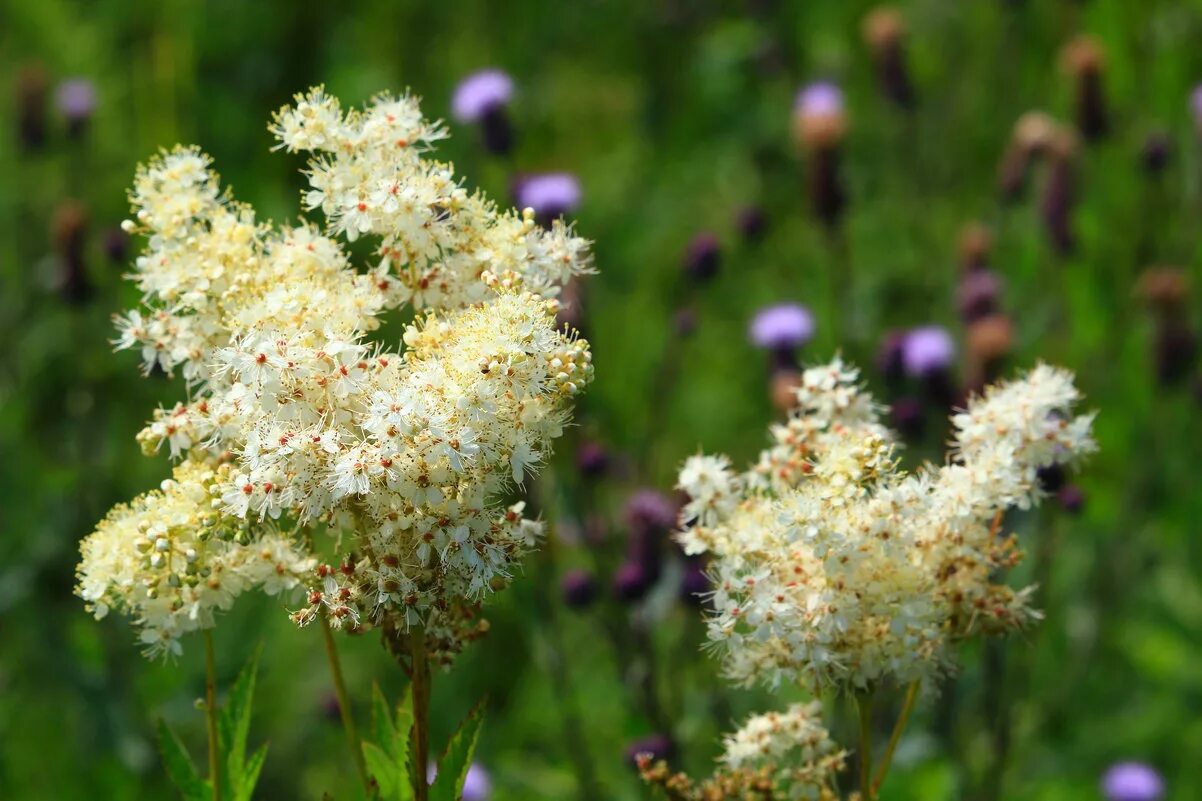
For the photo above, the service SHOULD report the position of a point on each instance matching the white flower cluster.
(407, 452)
(831, 566)
(793, 744)
(170, 559)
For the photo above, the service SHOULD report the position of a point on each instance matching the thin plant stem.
(864, 705)
(344, 706)
(420, 685)
(900, 726)
(211, 715)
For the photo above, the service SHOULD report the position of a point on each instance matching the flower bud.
(884, 32)
(703, 257)
(989, 341)
(31, 89)
(975, 246)
(70, 238)
(1071, 499)
(1059, 192)
(592, 460)
(820, 124)
(578, 589)
(1083, 60)
(630, 582)
(978, 295)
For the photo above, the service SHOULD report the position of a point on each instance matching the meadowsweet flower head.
(404, 455)
(832, 566)
(1132, 781)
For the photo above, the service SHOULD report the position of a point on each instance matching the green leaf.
(234, 724)
(250, 775)
(452, 770)
(383, 769)
(179, 766)
(384, 731)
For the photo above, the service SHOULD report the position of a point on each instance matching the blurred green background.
(675, 116)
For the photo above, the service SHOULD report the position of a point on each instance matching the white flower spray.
(835, 569)
(297, 422)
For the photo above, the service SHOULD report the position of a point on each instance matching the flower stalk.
(419, 675)
(344, 706)
(211, 715)
(900, 726)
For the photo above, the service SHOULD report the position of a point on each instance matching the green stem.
(211, 715)
(864, 705)
(420, 685)
(344, 706)
(902, 719)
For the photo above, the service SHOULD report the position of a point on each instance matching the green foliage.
(390, 760)
(240, 774)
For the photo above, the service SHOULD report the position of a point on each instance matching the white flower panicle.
(408, 452)
(831, 566)
(793, 744)
(170, 559)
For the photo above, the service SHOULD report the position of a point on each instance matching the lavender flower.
(483, 97)
(551, 194)
(76, 100)
(927, 350)
(1132, 781)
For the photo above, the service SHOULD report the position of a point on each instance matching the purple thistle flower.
(927, 350)
(784, 326)
(1132, 781)
(977, 295)
(703, 257)
(578, 588)
(480, 93)
(819, 99)
(592, 459)
(694, 584)
(631, 582)
(1071, 499)
(1195, 106)
(477, 786)
(659, 746)
(76, 99)
(550, 194)
(649, 510)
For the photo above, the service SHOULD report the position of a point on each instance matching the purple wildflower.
(1132, 781)
(480, 93)
(76, 100)
(927, 350)
(578, 588)
(783, 326)
(550, 194)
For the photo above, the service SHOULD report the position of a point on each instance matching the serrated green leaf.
(234, 722)
(250, 775)
(179, 766)
(384, 731)
(453, 767)
(385, 772)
